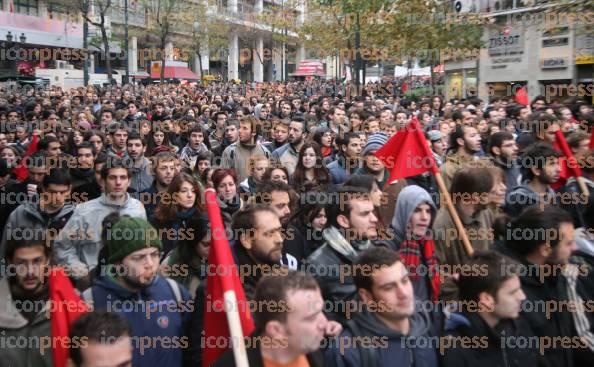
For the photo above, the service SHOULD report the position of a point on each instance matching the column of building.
(233, 59)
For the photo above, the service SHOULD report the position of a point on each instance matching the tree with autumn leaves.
(393, 31)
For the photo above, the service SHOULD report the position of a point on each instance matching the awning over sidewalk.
(309, 68)
(174, 72)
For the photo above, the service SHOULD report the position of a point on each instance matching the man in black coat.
(491, 300)
(542, 241)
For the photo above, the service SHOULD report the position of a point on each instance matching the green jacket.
(16, 331)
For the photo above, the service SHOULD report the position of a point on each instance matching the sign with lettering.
(554, 63)
(506, 43)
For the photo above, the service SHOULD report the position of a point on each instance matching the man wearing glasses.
(157, 308)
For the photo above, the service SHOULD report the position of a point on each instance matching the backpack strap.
(175, 288)
(369, 357)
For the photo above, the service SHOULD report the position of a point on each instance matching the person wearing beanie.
(374, 167)
(371, 164)
(131, 276)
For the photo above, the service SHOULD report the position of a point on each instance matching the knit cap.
(374, 142)
(129, 235)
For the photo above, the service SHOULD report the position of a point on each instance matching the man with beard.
(140, 168)
(259, 244)
(159, 113)
(83, 173)
(164, 170)
(540, 164)
(504, 154)
(387, 330)
(465, 142)
(288, 154)
(278, 196)
(79, 242)
(24, 305)
(134, 251)
(238, 154)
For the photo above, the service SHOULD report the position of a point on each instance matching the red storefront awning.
(175, 72)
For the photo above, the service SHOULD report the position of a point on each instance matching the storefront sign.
(554, 63)
(506, 43)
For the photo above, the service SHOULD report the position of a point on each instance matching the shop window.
(29, 7)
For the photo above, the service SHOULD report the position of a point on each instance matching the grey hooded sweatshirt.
(79, 242)
(409, 199)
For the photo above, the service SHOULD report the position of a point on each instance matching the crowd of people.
(109, 184)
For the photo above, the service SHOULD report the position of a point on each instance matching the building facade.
(546, 50)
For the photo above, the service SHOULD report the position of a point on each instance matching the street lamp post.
(10, 43)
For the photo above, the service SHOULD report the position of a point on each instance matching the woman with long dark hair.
(179, 216)
(307, 225)
(310, 168)
(96, 138)
(75, 137)
(158, 141)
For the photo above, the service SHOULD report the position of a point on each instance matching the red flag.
(522, 96)
(404, 87)
(66, 307)
(21, 172)
(219, 282)
(407, 153)
(568, 163)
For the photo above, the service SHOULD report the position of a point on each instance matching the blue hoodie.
(153, 316)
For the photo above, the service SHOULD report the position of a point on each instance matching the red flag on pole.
(404, 87)
(522, 96)
(223, 320)
(66, 307)
(568, 163)
(21, 171)
(407, 153)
